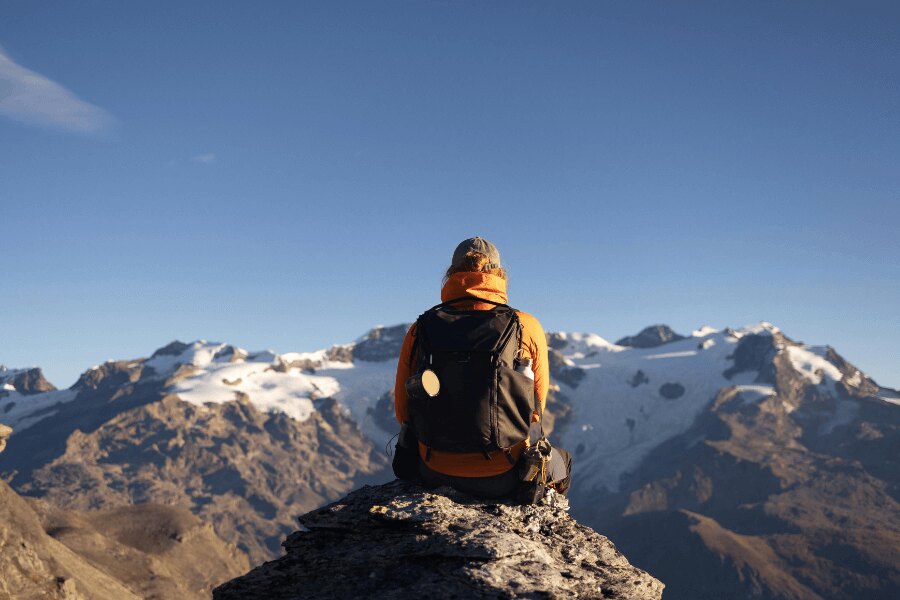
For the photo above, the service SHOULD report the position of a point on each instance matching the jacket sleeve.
(404, 370)
(535, 341)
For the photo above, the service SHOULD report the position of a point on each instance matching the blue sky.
(287, 175)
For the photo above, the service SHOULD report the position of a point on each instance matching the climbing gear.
(534, 460)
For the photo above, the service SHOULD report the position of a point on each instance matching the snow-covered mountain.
(623, 401)
(245, 440)
(632, 399)
(628, 411)
(200, 373)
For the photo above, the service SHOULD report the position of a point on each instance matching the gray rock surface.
(381, 343)
(5, 432)
(651, 337)
(671, 390)
(562, 371)
(756, 352)
(638, 378)
(400, 541)
(25, 381)
(245, 471)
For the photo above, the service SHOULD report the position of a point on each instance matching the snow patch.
(199, 354)
(704, 331)
(21, 412)
(810, 362)
(754, 393)
(671, 355)
(889, 396)
(268, 390)
(604, 402)
(272, 384)
(584, 344)
(761, 328)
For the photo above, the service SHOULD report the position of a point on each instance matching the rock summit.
(398, 540)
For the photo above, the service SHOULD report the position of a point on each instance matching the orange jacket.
(534, 342)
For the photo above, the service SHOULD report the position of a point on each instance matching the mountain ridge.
(670, 436)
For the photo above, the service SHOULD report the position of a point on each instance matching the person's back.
(475, 281)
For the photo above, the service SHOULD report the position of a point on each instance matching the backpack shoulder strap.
(447, 303)
(421, 342)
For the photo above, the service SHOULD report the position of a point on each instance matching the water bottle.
(523, 366)
(535, 430)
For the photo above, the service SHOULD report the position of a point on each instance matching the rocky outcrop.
(381, 343)
(561, 370)
(756, 353)
(671, 390)
(400, 541)
(638, 378)
(650, 337)
(25, 381)
(5, 432)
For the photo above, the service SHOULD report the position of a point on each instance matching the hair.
(474, 262)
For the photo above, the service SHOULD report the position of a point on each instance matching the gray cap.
(480, 245)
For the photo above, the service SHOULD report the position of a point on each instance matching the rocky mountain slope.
(134, 432)
(132, 552)
(784, 484)
(398, 541)
(770, 461)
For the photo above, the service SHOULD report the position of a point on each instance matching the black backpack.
(484, 404)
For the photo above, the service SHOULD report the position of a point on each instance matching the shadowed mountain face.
(789, 491)
(651, 337)
(246, 472)
(123, 435)
(770, 463)
(48, 552)
(23, 381)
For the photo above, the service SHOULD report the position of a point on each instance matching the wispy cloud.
(206, 159)
(31, 98)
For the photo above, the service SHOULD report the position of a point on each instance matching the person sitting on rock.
(472, 382)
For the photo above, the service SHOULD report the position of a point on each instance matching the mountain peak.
(650, 337)
(24, 381)
(380, 343)
(200, 353)
(173, 348)
(398, 540)
(760, 328)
